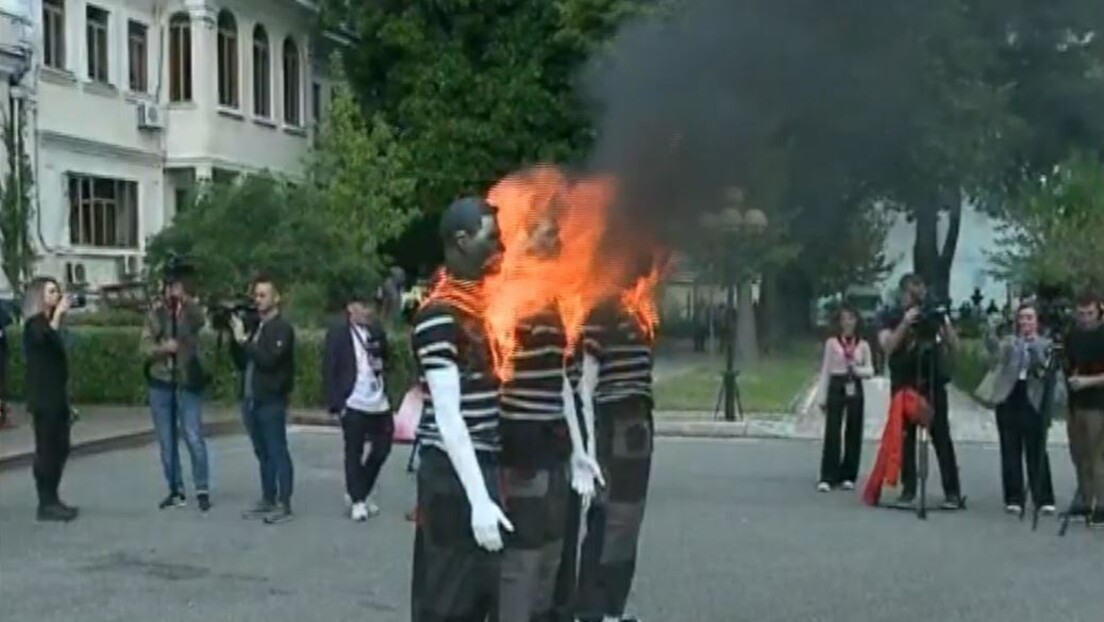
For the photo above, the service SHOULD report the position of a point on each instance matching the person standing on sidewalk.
(353, 367)
(1085, 354)
(1018, 362)
(266, 357)
(847, 363)
(47, 379)
(176, 381)
(919, 362)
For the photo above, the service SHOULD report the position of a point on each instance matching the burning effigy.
(508, 343)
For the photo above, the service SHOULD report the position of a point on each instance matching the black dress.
(47, 399)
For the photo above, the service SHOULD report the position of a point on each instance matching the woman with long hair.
(47, 365)
(847, 362)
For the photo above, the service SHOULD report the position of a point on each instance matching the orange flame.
(532, 205)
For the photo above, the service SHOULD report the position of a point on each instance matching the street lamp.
(733, 223)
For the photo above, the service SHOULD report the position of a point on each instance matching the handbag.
(985, 393)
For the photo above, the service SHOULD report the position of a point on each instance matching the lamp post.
(733, 223)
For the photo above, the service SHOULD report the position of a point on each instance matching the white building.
(131, 101)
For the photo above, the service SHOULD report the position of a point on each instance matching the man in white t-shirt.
(353, 370)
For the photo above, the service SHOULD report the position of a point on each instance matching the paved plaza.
(733, 532)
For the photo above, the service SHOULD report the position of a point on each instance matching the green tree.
(16, 206)
(362, 176)
(1054, 230)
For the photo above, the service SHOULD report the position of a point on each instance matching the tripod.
(721, 390)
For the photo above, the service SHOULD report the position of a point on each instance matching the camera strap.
(360, 338)
(849, 346)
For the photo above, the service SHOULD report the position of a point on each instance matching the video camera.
(221, 312)
(1054, 304)
(933, 315)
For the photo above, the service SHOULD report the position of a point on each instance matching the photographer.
(917, 338)
(1085, 357)
(1018, 387)
(47, 378)
(353, 368)
(265, 355)
(170, 345)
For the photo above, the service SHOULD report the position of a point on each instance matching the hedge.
(106, 367)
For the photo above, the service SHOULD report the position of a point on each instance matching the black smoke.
(794, 101)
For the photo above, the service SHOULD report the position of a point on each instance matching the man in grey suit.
(1019, 362)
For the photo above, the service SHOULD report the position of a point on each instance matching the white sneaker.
(1048, 509)
(359, 512)
(823, 487)
(372, 508)
(1012, 508)
(848, 485)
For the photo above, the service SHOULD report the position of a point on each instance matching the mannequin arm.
(584, 470)
(587, 385)
(444, 391)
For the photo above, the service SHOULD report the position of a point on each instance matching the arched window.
(180, 58)
(262, 74)
(227, 59)
(292, 84)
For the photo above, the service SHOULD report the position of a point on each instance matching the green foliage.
(1055, 228)
(969, 366)
(106, 368)
(16, 207)
(362, 176)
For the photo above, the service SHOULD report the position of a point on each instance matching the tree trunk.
(930, 261)
(747, 341)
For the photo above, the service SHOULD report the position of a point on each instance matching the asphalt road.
(734, 532)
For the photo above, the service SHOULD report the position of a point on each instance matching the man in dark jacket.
(266, 357)
(353, 369)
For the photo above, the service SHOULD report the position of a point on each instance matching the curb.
(751, 428)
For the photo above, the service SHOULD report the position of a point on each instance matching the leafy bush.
(970, 365)
(107, 317)
(106, 367)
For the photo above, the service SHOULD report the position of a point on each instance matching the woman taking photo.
(847, 362)
(46, 391)
(1017, 390)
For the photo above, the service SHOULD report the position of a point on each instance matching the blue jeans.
(189, 420)
(266, 422)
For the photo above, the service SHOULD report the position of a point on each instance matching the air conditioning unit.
(150, 116)
(128, 268)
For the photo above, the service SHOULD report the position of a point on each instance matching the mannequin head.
(470, 236)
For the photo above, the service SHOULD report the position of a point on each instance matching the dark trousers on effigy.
(842, 407)
(624, 432)
(536, 502)
(454, 580)
(1021, 428)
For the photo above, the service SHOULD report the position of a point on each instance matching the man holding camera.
(1085, 354)
(353, 367)
(917, 338)
(265, 354)
(170, 344)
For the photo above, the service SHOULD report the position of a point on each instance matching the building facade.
(133, 101)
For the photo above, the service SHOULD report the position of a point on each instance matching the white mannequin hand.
(586, 475)
(486, 518)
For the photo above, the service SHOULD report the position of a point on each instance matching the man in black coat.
(353, 369)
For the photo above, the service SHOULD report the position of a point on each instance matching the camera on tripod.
(933, 315)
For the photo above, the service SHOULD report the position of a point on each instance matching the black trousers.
(359, 428)
(563, 597)
(841, 408)
(624, 431)
(941, 441)
(51, 432)
(453, 578)
(1021, 437)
